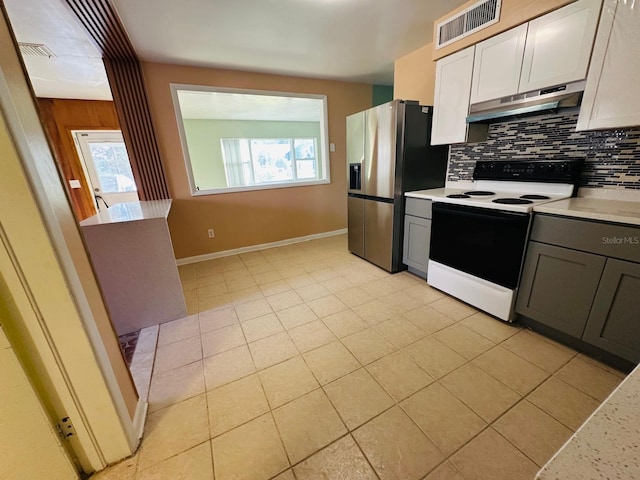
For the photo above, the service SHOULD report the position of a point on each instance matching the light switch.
(332, 147)
(75, 184)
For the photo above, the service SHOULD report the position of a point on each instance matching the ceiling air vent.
(476, 17)
(35, 49)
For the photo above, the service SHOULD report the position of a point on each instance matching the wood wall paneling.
(60, 118)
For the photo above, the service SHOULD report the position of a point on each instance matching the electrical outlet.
(211, 233)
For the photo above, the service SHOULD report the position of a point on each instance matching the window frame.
(321, 146)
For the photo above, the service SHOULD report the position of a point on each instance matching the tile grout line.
(403, 349)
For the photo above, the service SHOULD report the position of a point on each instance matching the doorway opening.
(106, 165)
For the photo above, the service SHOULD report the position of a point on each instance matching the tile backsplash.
(612, 157)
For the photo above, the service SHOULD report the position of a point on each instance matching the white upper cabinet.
(451, 105)
(551, 50)
(497, 65)
(558, 47)
(611, 98)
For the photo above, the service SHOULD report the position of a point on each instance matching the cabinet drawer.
(610, 240)
(418, 207)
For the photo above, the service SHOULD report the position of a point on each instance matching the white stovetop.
(609, 205)
(500, 189)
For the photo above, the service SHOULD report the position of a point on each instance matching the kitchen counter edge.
(616, 211)
(129, 212)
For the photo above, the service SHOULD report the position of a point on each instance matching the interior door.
(107, 166)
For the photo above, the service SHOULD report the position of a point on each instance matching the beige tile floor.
(305, 362)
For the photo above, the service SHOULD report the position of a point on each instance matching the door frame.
(51, 282)
(87, 169)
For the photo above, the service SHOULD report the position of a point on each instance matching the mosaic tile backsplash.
(612, 157)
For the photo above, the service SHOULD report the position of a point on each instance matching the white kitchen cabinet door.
(559, 45)
(497, 65)
(611, 98)
(451, 101)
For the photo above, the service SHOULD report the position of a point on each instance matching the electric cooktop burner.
(458, 195)
(479, 193)
(512, 201)
(535, 197)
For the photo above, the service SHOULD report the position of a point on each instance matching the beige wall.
(414, 76)
(513, 13)
(261, 216)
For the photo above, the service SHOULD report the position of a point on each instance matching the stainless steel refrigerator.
(388, 154)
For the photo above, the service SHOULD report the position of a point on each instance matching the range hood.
(536, 102)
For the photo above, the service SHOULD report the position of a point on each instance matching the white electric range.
(479, 234)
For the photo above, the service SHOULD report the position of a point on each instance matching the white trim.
(494, 299)
(262, 246)
(262, 186)
(139, 418)
(141, 369)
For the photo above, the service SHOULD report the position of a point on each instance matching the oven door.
(484, 243)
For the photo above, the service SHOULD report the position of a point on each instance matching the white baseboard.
(253, 248)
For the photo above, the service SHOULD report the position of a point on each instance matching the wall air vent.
(35, 49)
(476, 17)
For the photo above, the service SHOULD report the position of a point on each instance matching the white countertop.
(594, 209)
(620, 206)
(129, 212)
(607, 445)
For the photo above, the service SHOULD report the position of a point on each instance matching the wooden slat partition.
(129, 94)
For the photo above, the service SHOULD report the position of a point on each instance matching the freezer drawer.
(378, 232)
(355, 219)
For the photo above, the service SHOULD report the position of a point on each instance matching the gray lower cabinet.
(582, 278)
(558, 286)
(614, 322)
(417, 235)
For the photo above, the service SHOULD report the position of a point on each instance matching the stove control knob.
(551, 167)
(564, 168)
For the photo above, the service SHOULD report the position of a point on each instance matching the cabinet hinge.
(65, 428)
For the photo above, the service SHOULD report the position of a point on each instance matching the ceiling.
(351, 40)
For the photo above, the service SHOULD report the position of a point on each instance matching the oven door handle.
(477, 212)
